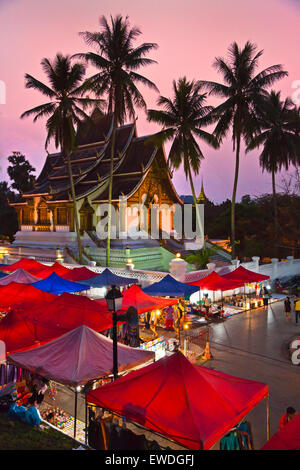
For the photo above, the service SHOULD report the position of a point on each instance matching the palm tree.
(182, 119)
(279, 140)
(64, 111)
(243, 91)
(118, 61)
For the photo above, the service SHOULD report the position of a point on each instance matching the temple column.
(71, 216)
(51, 220)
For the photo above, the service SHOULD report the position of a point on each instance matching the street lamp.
(114, 303)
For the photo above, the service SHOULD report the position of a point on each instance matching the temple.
(140, 176)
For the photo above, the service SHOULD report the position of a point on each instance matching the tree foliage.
(20, 172)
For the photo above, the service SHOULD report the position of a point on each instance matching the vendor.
(206, 305)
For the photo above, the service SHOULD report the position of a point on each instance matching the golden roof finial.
(202, 197)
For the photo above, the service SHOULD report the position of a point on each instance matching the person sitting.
(32, 415)
(220, 311)
(290, 414)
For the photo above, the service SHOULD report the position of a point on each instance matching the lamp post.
(114, 303)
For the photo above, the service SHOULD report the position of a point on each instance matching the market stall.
(28, 327)
(55, 284)
(245, 275)
(78, 357)
(20, 276)
(147, 306)
(205, 403)
(28, 264)
(256, 294)
(79, 274)
(22, 296)
(170, 287)
(56, 268)
(108, 278)
(209, 286)
(288, 438)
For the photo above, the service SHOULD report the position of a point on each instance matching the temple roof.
(91, 163)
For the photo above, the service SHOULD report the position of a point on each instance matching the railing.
(62, 228)
(43, 227)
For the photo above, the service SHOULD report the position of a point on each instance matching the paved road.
(253, 345)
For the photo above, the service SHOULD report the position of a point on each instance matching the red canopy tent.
(20, 333)
(28, 327)
(134, 296)
(22, 295)
(245, 275)
(288, 438)
(30, 265)
(56, 268)
(192, 405)
(216, 282)
(79, 274)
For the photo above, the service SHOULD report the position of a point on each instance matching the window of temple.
(62, 216)
(43, 214)
(27, 216)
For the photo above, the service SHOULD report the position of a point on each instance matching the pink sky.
(189, 34)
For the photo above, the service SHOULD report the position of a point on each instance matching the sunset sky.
(189, 33)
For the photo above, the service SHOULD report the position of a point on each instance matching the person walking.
(169, 317)
(297, 310)
(287, 308)
(265, 297)
(206, 306)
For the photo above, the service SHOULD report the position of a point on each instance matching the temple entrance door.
(86, 216)
(86, 222)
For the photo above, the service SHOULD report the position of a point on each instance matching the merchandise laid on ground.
(63, 421)
(158, 345)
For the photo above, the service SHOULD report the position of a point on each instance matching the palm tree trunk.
(198, 218)
(75, 209)
(113, 140)
(236, 175)
(276, 226)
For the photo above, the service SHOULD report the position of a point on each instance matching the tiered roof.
(91, 163)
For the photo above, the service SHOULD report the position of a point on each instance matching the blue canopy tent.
(57, 285)
(169, 286)
(107, 278)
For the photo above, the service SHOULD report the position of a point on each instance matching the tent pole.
(75, 413)
(268, 416)
(86, 419)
